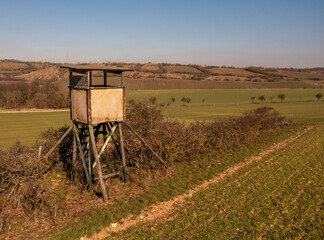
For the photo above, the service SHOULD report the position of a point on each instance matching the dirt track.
(33, 110)
(163, 209)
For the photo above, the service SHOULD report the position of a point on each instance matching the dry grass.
(150, 68)
(12, 65)
(47, 74)
(144, 84)
(232, 71)
(181, 69)
(302, 75)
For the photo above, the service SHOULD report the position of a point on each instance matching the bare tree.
(281, 96)
(183, 99)
(152, 100)
(318, 96)
(271, 98)
(262, 98)
(131, 101)
(188, 100)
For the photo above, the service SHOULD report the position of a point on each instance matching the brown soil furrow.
(162, 210)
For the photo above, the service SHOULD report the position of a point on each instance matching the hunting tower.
(97, 109)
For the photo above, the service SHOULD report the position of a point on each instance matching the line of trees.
(281, 96)
(32, 95)
(186, 100)
(262, 98)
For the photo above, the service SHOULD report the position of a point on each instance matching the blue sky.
(276, 33)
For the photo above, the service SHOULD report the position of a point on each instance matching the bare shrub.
(61, 158)
(318, 96)
(282, 97)
(152, 100)
(176, 142)
(262, 98)
(18, 163)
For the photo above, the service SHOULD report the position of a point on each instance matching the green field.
(298, 112)
(283, 189)
(27, 126)
(238, 101)
(278, 197)
(223, 96)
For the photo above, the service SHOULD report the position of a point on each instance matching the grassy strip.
(297, 111)
(26, 127)
(224, 96)
(185, 176)
(278, 197)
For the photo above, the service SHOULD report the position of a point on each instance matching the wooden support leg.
(76, 134)
(90, 162)
(74, 157)
(94, 148)
(122, 152)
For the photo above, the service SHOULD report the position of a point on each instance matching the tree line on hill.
(33, 95)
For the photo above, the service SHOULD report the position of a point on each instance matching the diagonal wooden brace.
(144, 142)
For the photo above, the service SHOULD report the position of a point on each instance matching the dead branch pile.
(20, 163)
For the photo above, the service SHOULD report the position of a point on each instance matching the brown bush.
(18, 163)
(175, 142)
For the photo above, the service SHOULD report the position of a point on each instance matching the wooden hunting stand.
(97, 110)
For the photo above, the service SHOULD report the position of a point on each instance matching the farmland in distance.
(300, 105)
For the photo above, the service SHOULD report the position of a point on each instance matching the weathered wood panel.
(79, 106)
(107, 105)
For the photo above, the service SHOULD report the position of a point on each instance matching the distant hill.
(172, 76)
